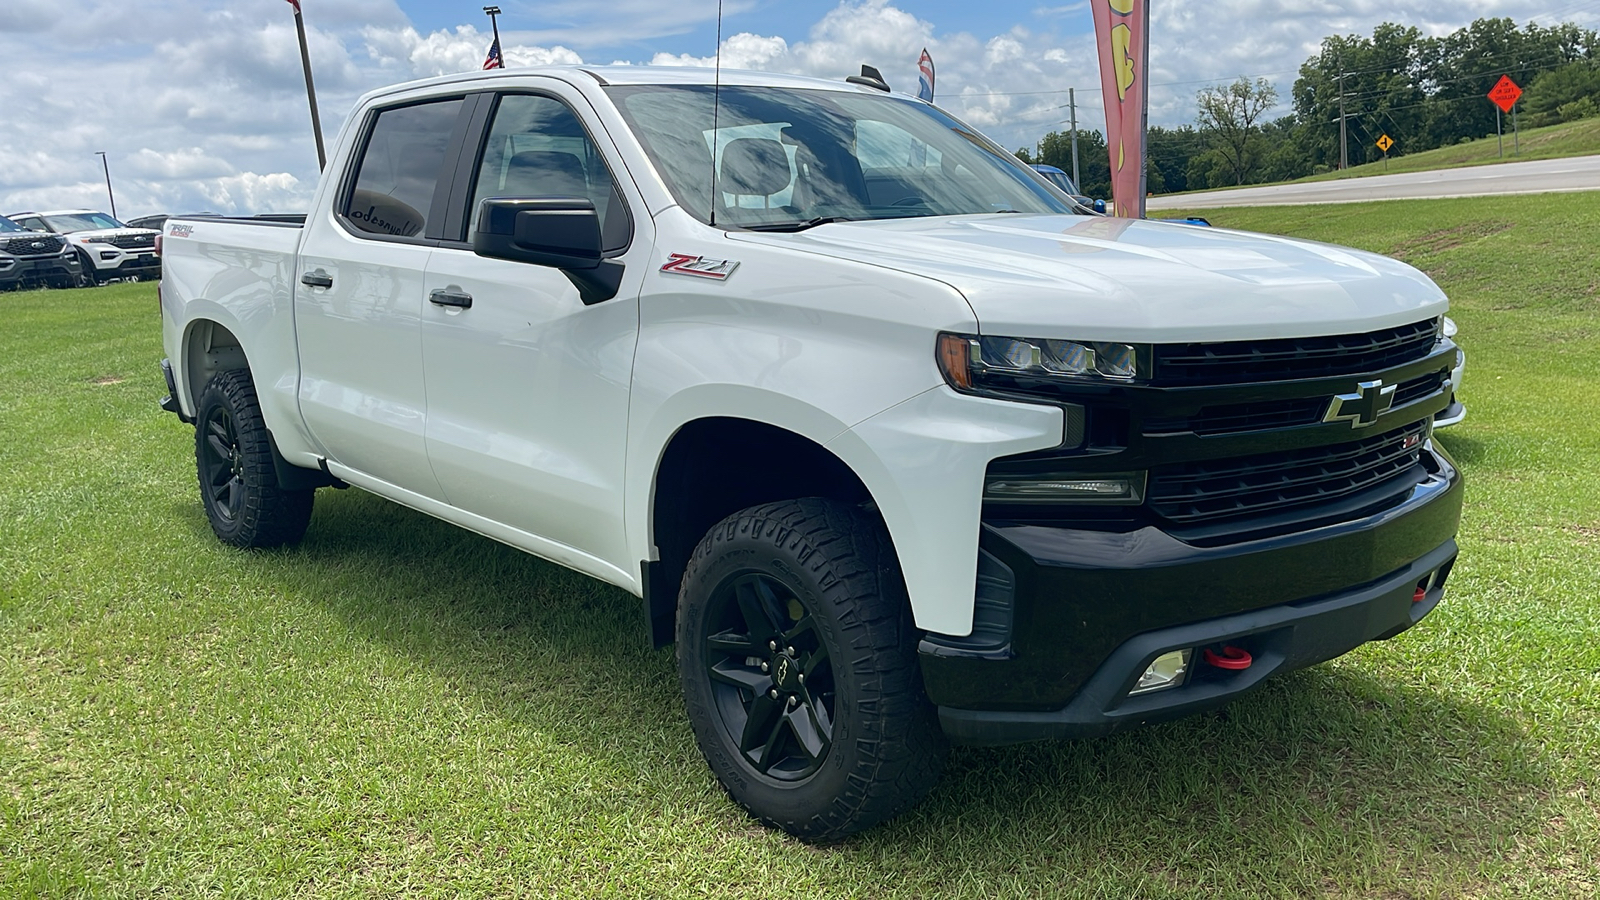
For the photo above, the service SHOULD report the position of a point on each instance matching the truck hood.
(1093, 278)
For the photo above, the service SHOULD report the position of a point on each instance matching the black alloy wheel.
(797, 655)
(222, 465)
(771, 678)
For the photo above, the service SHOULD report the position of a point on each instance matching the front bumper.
(1090, 609)
(60, 271)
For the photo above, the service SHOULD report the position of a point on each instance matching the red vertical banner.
(1121, 30)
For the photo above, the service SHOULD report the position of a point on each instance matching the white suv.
(108, 248)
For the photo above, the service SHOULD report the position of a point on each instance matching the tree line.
(1424, 92)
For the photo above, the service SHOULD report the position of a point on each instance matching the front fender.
(924, 462)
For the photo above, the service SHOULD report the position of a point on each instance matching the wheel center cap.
(786, 672)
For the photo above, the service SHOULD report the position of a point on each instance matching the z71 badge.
(699, 266)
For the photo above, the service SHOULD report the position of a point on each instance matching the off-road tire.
(835, 562)
(234, 462)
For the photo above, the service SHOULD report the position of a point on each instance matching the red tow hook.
(1420, 595)
(1235, 659)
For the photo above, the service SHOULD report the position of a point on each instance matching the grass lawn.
(400, 708)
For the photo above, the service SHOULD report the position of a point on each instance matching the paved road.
(1579, 173)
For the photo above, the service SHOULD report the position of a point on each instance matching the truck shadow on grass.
(1330, 776)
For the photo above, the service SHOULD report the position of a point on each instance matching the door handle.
(443, 297)
(318, 278)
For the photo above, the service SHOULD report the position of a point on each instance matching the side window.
(400, 168)
(537, 147)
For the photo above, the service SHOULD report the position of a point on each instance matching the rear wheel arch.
(209, 347)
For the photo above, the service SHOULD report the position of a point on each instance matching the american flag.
(493, 61)
(295, 4)
(925, 76)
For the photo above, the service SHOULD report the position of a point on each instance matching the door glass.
(537, 147)
(400, 168)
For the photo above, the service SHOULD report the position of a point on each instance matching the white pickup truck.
(896, 447)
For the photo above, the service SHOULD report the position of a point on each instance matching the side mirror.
(559, 232)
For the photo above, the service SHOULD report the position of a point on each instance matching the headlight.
(1449, 327)
(1014, 364)
(97, 240)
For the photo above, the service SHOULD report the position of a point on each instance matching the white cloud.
(200, 104)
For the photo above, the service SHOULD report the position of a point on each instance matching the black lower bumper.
(1092, 609)
(56, 271)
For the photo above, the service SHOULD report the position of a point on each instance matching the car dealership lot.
(398, 705)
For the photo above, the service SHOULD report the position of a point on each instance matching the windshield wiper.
(801, 225)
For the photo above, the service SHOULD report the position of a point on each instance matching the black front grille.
(1238, 362)
(1237, 418)
(35, 245)
(1218, 490)
(1266, 415)
(133, 241)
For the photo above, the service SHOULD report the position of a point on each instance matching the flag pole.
(494, 23)
(311, 88)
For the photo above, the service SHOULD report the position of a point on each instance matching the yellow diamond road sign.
(1385, 142)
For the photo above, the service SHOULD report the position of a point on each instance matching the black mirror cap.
(560, 232)
(563, 232)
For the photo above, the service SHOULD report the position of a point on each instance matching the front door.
(527, 386)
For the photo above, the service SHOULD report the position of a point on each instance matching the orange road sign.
(1505, 92)
(1385, 142)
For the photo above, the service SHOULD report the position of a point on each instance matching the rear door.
(528, 386)
(359, 296)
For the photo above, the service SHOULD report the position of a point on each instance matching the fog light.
(1125, 488)
(1168, 671)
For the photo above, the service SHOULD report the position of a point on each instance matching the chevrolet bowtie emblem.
(1371, 400)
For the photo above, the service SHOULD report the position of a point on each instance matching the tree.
(1229, 118)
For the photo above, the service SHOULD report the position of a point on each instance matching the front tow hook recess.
(1234, 659)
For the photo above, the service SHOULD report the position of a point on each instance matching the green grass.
(399, 708)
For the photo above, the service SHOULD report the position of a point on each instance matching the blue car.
(1064, 181)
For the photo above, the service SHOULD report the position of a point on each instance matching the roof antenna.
(716, 110)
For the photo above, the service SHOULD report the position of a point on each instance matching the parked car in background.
(107, 248)
(28, 259)
(1064, 181)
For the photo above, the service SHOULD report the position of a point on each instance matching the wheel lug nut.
(773, 693)
(765, 667)
(772, 645)
(792, 701)
(802, 677)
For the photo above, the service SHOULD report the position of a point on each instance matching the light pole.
(107, 166)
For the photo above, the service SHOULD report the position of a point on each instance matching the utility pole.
(1072, 101)
(1344, 142)
(494, 23)
(112, 197)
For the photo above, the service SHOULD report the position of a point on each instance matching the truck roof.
(623, 74)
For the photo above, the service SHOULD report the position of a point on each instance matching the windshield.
(791, 158)
(8, 225)
(66, 223)
(1063, 181)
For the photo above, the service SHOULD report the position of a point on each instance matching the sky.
(200, 104)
